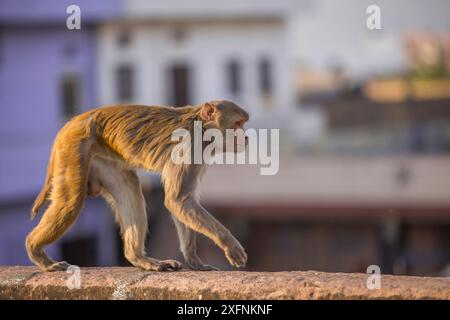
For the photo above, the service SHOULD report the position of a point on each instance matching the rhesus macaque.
(97, 152)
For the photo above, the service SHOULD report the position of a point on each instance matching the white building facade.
(178, 56)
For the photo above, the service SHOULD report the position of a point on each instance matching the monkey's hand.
(235, 253)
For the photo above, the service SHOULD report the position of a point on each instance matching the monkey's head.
(223, 115)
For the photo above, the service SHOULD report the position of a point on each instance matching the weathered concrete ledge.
(131, 283)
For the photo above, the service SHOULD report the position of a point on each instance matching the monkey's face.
(227, 117)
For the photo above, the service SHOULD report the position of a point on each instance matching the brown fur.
(97, 152)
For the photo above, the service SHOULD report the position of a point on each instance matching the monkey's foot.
(58, 266)
(171, 264)
(201, 267)
(150, 264)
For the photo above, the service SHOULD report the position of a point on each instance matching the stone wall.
(131, 283)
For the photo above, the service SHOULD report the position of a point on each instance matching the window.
(265, 75)
(124, 83)
(234, 77)
(179, 85)
(124, 38)
(179, 33)
(70, 95)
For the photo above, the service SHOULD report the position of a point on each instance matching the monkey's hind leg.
(121, 189)
(67, 198)
(57, 219)
(55, 222)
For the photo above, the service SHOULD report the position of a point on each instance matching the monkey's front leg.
(193, 215)
(121, 189)
(188, 247)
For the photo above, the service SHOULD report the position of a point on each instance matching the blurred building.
(341, 65)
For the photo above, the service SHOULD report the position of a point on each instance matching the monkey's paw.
(236, 255)
(170, 264)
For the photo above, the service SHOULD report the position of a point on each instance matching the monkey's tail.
(43, 195)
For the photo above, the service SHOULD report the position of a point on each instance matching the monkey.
(98, 152)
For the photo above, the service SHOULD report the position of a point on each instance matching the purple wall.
(36, 49)
(33, 61)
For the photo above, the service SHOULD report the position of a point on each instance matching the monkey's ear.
(208, 112)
